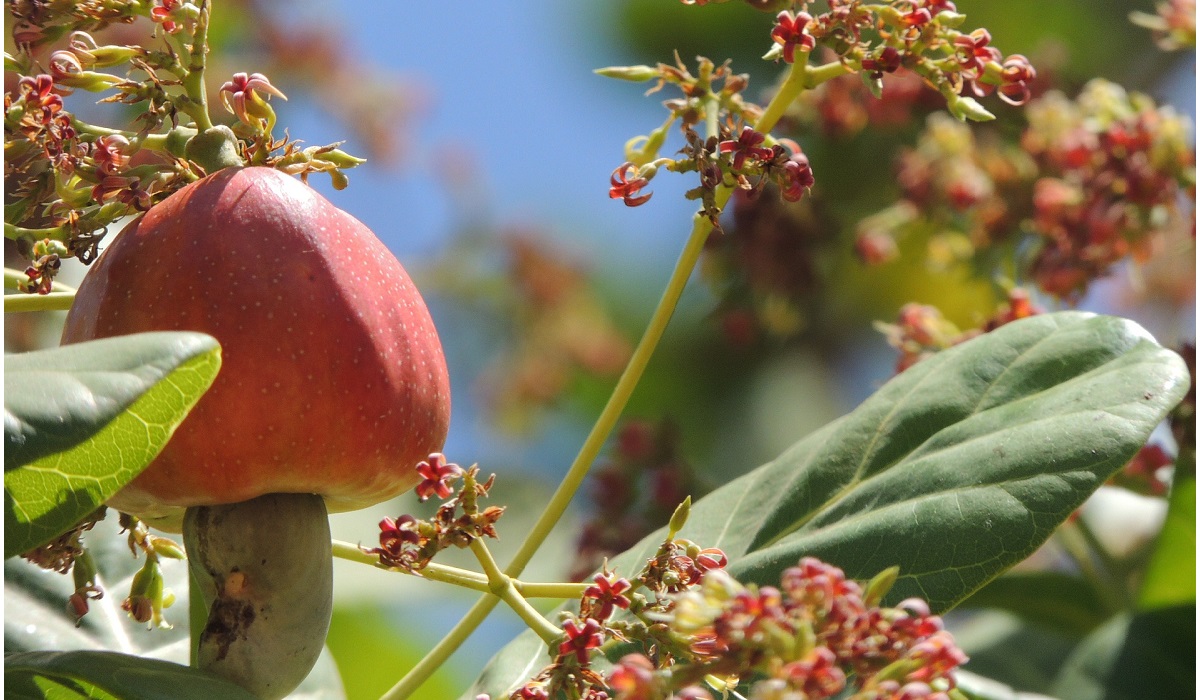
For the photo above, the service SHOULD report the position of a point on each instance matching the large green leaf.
(1148, 655)
(83, 420)
(955, 470)
(114, 675)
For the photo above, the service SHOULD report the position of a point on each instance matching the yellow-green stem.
(55, 233)
(796, 82)
(1113, 594)
(433, 572)
(443, 650)
(151, 142)
(502, 586)
(15, 279)
(560, 591)
(196, 102)
(628, 381)
(54, 301)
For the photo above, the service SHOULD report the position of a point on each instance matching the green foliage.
(37, 618)
(955, 470)
(1052, 600)
(105, 674)
(1171, 576)
(82, 421)
(359, 628)
(1148, 655)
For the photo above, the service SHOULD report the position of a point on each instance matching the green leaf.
(1004, 648)
(980, 688)
(955, 470)
(1051, 600)
(1171, 576)
(1150, 655)
(82, 421)
(36, 616)
(114, 675)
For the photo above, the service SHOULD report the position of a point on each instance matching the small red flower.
(633, 678)
(973, 53)
(127, 190)
(747, 145)
(243, 88)
(624, 188)
(938, 654)
(795, 178)
(437, 475)
(580, 640)
(108, 152)
(64, 65)
(532, 691)
(163, 14)
(888, 61)
(790, 30)
(607, 592)
(711, 558)
(392, 533)
(817, 674)
(1017, 73)
(40, 93)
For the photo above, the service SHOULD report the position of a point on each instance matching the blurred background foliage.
(490, 142)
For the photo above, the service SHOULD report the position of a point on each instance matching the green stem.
(151, 142)
(502, 586)
(444, 649)
(1075, 544)
(559, 591)
(801, 77)
(796, 82)
(628, 381)
(54, 301)
(462, 577)
(591, 447)
(55, 233)
(1110, 565)
(434, 572)
(196, 102)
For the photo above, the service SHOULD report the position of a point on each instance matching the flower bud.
(339, 158)
(166, 547)
(679, 518)
(145, 601)
(964, 108)
(879, 586)
(340, 181)
(115, 55)
(949, 19)
(635, 74)
(77, 606)
(83, 571)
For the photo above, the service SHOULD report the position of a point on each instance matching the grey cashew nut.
(265, 570)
